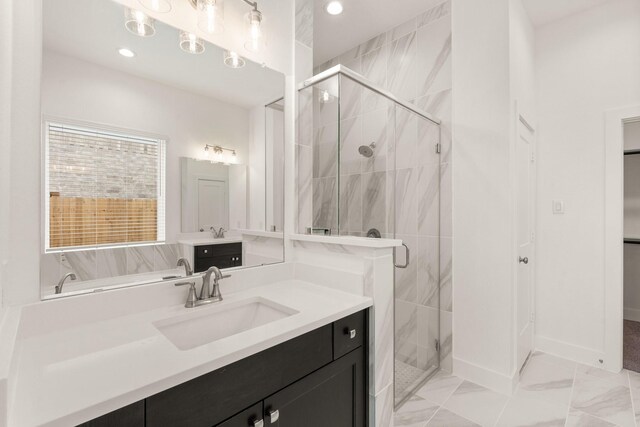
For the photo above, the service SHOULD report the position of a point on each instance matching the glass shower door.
(417, 219)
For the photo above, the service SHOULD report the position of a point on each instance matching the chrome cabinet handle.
(524, 260)
(273, 416)
(258, 423)
(406, 260)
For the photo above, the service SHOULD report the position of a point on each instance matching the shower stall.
(369, 165)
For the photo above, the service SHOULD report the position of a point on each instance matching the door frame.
(524, 118)
(614, 233)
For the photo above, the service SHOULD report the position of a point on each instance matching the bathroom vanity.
(317, 379)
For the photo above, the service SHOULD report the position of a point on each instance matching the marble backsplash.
(93, 264)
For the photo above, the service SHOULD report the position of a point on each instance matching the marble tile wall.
(96, 264)
(412, 60)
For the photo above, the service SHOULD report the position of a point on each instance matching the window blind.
(102, 188)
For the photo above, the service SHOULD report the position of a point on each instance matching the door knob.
(524, 260)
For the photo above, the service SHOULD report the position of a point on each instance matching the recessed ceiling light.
(334, 8)
(127, 53)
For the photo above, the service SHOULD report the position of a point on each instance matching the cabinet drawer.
(247, 418)
(209, 251)
(212, 398)
(348, 334)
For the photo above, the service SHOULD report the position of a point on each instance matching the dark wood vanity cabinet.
(129, 416)
(318, 379)
(224, 255)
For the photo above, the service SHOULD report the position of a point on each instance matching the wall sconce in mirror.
(233, 60)
(159, 6)
(218, 154)
(191, 43)
(139, 23)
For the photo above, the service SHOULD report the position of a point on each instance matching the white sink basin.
(206, 324)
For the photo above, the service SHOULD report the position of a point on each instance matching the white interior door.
(525, 235)
(212, 204)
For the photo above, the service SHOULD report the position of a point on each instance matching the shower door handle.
(406, 260)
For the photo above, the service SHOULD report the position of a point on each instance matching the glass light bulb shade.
(255, 38)
(139, 23)
(191, 43)
(233, 60)
(210, 16)
(160, 6)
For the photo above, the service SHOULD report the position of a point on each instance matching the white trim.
(613, 234)
(587, 356)
(486, 377)
(632, 314)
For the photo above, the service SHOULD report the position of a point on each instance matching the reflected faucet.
(187, 267)
(61, 282)
(218, 234)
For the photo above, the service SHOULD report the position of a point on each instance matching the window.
(102, 188)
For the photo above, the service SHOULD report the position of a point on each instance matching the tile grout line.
(504, 408)
(573, 384)
(633, 408)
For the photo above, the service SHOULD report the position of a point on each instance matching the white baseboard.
(485, 377)
(632, 314)
(565, 350)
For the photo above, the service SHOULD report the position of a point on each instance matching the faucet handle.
(191, 298)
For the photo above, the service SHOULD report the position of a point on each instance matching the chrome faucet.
(218, 234)
(61, 282)
(187, 267)
(206, 296)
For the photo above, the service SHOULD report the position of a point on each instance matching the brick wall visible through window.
(102, 187)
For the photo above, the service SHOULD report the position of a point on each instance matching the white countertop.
(76, 373)
(366, 242)
(197, 241)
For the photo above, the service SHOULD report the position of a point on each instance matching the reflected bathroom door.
(212, 204)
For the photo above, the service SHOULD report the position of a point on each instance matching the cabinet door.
(333, 396)
(129, 416)
(250, 417)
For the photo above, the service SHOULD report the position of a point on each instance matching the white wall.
(585, 64)
(481, 191)
(78, 90)
(5, 141)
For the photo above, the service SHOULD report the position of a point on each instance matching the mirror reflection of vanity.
(156, 147)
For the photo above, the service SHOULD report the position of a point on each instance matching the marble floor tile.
(444, 418)
(476, 403)
(580, 419)
(538, 355)
(440, 387)
(546, 381)
(414, 413)
(603, 399)
(621, 378)
(634, 381)
(525, 411)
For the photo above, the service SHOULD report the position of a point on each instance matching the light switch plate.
(557, 207)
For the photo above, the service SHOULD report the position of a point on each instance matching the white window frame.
(161, 140)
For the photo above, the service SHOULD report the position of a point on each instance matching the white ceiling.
(360, 21)
(93, 30)
(543, 12)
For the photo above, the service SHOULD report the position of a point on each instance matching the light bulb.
(334, 8)
(233, 60)
(159, 6)
(255, 38)
(190, 43)
(127, 53)
(138, 23)
(211, 16)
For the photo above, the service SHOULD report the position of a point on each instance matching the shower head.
(367, 150)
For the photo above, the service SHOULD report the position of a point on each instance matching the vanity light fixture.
(190, 43)
(127, 53)
(216, 153)
(159, 6)
(210, 15)
(138, 23)
(211, 20)
(233, 60)
(255, 39)
(334, 7)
